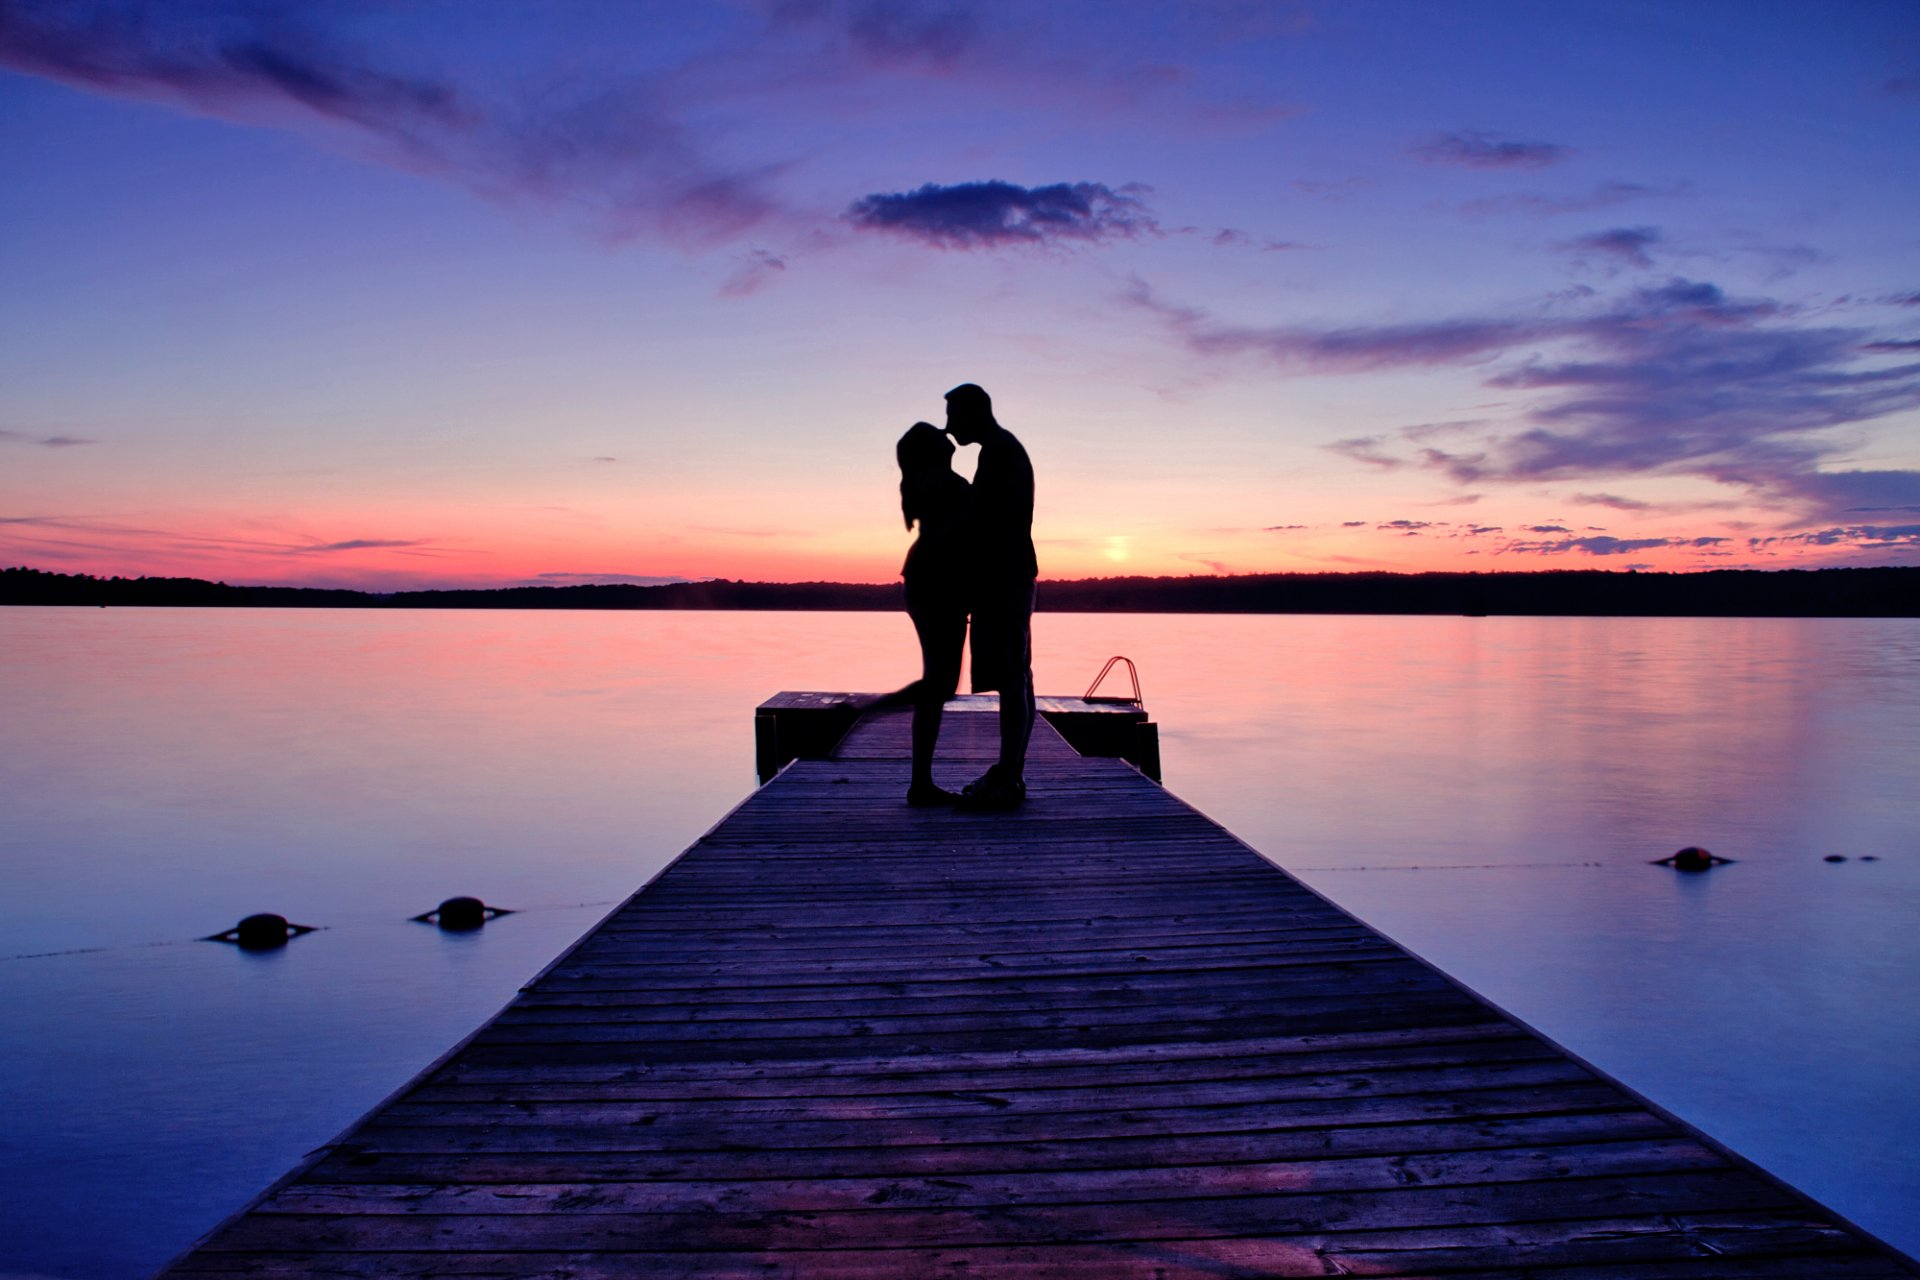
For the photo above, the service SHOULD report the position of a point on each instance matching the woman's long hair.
(925, 456)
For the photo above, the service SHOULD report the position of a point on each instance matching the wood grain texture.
(1096, 1038)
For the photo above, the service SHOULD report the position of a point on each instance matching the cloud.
(1603, 545)
(603, 579)
(1283, 528)
(71, 538)
(604, 458)
(616, 150)
(1674, 378)
(1612, 500)
(357, 544)
(1353, 349)
(1546, 528)
(974, 215)
(48, 442)
(1234, 238)
(1853, 535)
(1475, 150)
(216, 60)
(1605, 195)
(1367, 449)
(1903, 299)
(757, 270)
(1404, 527)
(894, 34)
(1862, 491)
(1892, 346)
(1624, 244)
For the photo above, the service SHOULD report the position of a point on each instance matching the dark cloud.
(613, 150)
(1407, 527)
(1367, 449)
(1481, 530)
(1623, 244)
(975, 215)
(1233, 238)
(1853, 535)
(1282, 528)
(1605, 195)
(1670, 379)
(1353, 524)
(1602, 545)
(1474, 150)
(1354, 349)
(1613, 500)
(215, 57)
(1903, 299)
(1546, 528)
(358, 544)
(48, 442)
(1850, 492)
(1892, 346)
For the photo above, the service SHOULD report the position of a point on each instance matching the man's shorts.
(1001, 641)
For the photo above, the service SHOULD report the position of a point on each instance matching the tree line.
(1862, 592)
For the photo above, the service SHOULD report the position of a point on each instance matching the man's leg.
(1016, 726)
(1016, 700)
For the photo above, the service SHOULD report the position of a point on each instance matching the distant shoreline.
(1792, 593)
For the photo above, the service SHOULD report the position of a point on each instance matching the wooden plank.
(1102, 1186)
(355, 1163)
(1098, 1037)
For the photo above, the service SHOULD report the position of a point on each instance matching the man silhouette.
(1003, 570)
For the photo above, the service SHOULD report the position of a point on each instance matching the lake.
(1487, 791)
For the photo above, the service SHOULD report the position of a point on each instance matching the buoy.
(461, 915)
(262, 932)
(1691, 858)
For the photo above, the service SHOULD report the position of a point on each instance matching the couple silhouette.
(971, 561)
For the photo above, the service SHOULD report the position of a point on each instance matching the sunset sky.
(450, 292)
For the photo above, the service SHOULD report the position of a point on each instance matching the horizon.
(1537, 571)
(386, 299)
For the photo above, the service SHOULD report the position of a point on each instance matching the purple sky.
(432, 292)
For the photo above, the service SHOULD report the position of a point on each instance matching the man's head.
(969, 413)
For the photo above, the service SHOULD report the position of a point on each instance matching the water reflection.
(166, 772)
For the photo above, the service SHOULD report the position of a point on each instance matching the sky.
(469, 293)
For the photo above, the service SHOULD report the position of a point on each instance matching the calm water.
(1487, 791)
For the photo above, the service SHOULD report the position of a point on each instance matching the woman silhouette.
(937, 500)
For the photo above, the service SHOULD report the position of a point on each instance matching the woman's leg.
(942, 629)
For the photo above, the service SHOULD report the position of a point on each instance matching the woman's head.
(925, 454)
(925, 448)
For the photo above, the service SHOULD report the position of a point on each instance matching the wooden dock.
(1097, 1038)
